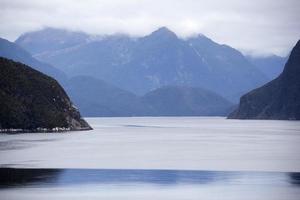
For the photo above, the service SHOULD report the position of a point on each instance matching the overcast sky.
(254, 26)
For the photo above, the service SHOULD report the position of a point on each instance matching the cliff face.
(278, 99)
(31, 101)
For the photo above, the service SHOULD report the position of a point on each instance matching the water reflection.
(44, 177)
(295, 178)
(158, 177)
(17, 177)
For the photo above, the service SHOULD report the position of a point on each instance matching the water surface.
(146, 184)
(190, 143)
(165, 158)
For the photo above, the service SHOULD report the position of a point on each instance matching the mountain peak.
(163, 29)
(292, 68)
(164, 32)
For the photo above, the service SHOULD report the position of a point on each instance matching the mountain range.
(96, 98)
(142, 64)
(156, 75)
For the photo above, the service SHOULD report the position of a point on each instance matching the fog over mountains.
(142, 64)
(271, 66)
(120, 75)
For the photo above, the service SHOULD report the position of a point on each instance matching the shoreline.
(42, 130)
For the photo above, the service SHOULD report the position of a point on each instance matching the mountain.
(156, 60)
(50, 39)
(12, 51)
(271, 66)
(230, 73)
(278, 99)
(186, 101)
(101, 59)
(31, 101)
(96, 98)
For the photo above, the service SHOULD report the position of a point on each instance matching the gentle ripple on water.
(155, 158)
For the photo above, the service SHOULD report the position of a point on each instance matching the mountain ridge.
(186, 101)
(15, 52)
(158, 59)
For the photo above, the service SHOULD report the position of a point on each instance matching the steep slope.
(278, 99)
(101, 59)
(32, 101)
(159, 59)
(271, 66)
(228, 68)
(95, 98)
(186, 101)
(12, 51)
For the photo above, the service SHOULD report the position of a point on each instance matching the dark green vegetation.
(278, 99)
(32, 101)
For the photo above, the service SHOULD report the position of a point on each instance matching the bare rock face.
(278, 99)
(33, 102)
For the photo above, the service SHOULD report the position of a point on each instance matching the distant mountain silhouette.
(96, 98)
(12, 51)
(278, 99)
(31, 101)
(147, 63)
(186, 101)
(271, 66)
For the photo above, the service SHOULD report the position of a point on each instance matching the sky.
(256, 27)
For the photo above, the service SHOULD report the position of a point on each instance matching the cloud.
(255, 27)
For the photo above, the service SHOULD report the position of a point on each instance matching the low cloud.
(256, 27)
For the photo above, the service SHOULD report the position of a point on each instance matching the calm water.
(155, 158)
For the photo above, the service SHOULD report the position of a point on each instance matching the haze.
(257, 27)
